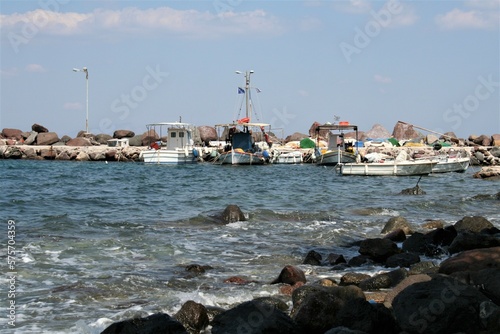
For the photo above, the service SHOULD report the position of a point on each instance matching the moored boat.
(340, 149)
(171, 143)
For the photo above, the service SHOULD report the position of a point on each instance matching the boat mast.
(247, 93)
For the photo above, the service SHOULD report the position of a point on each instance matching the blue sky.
(434, 64)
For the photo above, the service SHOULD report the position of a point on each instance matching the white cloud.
(472, 19)
(131, 19)
(353, 6)
(35, 68)
(73, 106)
(381, 79)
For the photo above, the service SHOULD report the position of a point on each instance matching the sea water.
(97, 242)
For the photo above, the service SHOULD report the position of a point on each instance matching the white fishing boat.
(172, 143)
(447, 164)
(340, 149)
(287, 156)
(399, 166)
(242, 146)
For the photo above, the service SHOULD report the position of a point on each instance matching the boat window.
(173, 134)
(181, 134)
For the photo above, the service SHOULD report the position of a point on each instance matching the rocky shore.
(461, 294)
(41, 144)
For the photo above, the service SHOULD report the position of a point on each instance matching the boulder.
(397, 235)
(384, 280)
(315, 307)
(193, 316)
(39, 128)
(359, 314)
(441, 305)
(97, 156)
(488, 172)
(377, 131)
(433, 224)
(15, 134)
(148, 137)
(353, 278)
(119, 134)
(406, 282)
(63, 156)
(468, 241)
(421, 244)
(472, 260)
(402, 260)
(156, 323)
(405, 131)
(488, 282)
(102, 138)
(65, 139)
(431, 139)
(495, 140)
(395, 223)
(79, 141)
(30, 153)
(290, 275)
(334, 259)
(48, 153)
(207, 134)
(378, 249)
(253, 317)
(12, 152)
(474, 224)
(31, 138)
(82, 156)
(136, 141)
(312, 131)
(313, 258)
(297, 136)
(232, 213)
(47, 138)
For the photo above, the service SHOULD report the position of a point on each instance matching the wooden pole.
(418, 127)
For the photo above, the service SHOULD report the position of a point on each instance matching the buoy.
(195, 153)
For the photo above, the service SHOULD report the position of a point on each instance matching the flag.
(241, 90)
(258, 90)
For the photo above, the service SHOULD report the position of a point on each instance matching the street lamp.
(84, 69)
(247, 89)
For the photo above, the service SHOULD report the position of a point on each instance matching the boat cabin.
(115, 142)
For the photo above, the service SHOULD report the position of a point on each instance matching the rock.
(193, 316)
(402, 260)
(413, 191)
(13, 152)
(472, 260)
(237, 280)
(297, 136)
(431, 139)
(313, 258)
(46, 138)
(383, 280)
(148, 137)
(156, 323)
(344, 330)
(97, 156)
(63, 156)
(253, 317)
(495, 140)
(290, 275)
(405, 131)
(377, 131)
(359, 260)
(207, 134)
(82, 156)
(30, 153)
(488, 282)
(395, 223)
(378, 249)
(195, 268)
(441, 305)
(433, 224)
(406, 282)
(31, 138)
(232, 213)
(79, 141)
(333, 259)
(353, 278)
(421, 244)
(119, 134)
(423, 267)
(468, 241)
(397, 235)
(474, 224)
(359, 314)
(315, 308)
(102, 138)
(39, 128)
(15, 134)
(136, 141)
(490, 316)
(65, 139)
(442, 236)
(48, 153)
(488, 172)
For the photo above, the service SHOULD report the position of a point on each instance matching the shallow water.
(98, 243)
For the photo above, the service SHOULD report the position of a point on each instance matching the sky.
(433, 64)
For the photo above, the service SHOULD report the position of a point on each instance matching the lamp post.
(84, 69)
(247, 89)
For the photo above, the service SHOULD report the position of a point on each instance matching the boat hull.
(408, 168)
(332, 158)
(239, 158)
(169, 157)
(448, 165)
(293, 157)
